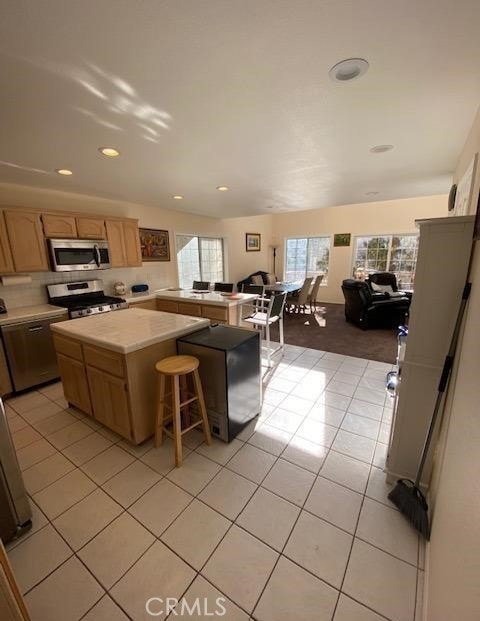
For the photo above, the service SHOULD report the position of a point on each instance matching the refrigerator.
(15, 512)
(230, 371)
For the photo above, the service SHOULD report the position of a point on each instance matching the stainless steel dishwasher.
(30, 352)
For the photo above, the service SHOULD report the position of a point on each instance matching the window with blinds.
(306, 256)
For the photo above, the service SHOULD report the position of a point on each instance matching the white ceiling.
(197, 94)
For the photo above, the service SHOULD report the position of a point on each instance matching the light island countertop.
(31, 313)
(215, 299)
(129, 330)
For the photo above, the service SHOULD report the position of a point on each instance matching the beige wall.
(453, 555)
(396, 216)
(240, 262)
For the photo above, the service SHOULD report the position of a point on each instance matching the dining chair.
(264, 319)
(259, 303)
(223, 287)
(299, 302)
(312, 297)
(201, 285)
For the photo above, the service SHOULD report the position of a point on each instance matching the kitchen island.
(107, 362)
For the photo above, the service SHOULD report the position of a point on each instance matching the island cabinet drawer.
(70, 348)
(104, 359)
(167, 306)
(185, 308)
(215, 312)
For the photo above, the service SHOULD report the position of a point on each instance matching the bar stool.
(179, 368)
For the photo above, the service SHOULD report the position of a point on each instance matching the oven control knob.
(100, 308)
(87, 312)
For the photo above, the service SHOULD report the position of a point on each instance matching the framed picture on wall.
(342, 239)
(155, 245)
(252, 242)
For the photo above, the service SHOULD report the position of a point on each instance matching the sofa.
(366, 309)
(250, 280)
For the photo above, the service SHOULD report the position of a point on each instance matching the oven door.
(69, 255)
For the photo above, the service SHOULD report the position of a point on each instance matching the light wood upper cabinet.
(59, 226)
(91, 228)
(6, 261)
(133, 253)
(124, 243)
(27, 243)
(116, 243)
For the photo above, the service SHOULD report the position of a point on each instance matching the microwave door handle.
(97, 255)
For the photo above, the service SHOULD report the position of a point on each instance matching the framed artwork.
(342, 239)
(155, 245)
(252, 242)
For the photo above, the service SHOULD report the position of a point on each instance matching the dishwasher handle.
(36, 328)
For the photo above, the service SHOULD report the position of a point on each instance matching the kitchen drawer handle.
(36, 329)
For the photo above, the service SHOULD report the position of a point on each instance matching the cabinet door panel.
(167, 306)
(147, 305)
(133, 253)
(26, 241)
(91, 228)
(6, 261)
(59, 226)
(75, 385)
(116, 243)
(110, 401)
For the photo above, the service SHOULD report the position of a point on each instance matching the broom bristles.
(412, 504)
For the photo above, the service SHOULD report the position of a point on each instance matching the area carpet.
(327, 330)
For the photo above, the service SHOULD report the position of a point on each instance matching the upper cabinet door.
(116, 243)
(6, 261)
(27, 243)
(59, 226)
(91, 228)
(133, 253)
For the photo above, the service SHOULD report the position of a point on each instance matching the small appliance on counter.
(15, 512)
(230, 370)
(84, 298)
(140, 288)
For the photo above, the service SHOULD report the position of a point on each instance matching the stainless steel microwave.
(70, 255)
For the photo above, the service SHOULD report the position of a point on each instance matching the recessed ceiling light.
(348, 69)
(109, 151)
(381, 148)
(177, 197)
(63, 171)
(222, 188)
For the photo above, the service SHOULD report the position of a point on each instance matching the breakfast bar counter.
(107, 364)
(221, 308)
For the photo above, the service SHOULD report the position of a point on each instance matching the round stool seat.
(177, 365)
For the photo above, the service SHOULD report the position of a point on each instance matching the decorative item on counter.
(155, 245)
(119, 288)
(16, 280)
(139, 288)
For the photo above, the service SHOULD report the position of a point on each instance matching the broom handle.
(447, 368)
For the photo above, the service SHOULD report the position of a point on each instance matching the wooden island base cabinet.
(117, 390)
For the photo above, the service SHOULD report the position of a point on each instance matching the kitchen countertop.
(131, 329)
(30, 313)
(215, 299)
(142, 297)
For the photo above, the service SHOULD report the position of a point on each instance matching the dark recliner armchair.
(366, 309)
(383, 278)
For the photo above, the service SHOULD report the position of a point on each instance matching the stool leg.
(184, 397)
(203, 410)
(160, 411)
(177, 422)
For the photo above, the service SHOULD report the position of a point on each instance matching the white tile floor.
(289, 521)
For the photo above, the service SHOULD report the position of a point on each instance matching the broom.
(406, 495)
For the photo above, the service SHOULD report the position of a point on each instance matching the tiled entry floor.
(289, 521)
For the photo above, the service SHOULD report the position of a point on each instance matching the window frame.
(329, 236)
(390, 236)
(199, 237)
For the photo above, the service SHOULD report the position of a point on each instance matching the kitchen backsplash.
(35, 292)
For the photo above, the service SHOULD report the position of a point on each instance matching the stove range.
(84, 298)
